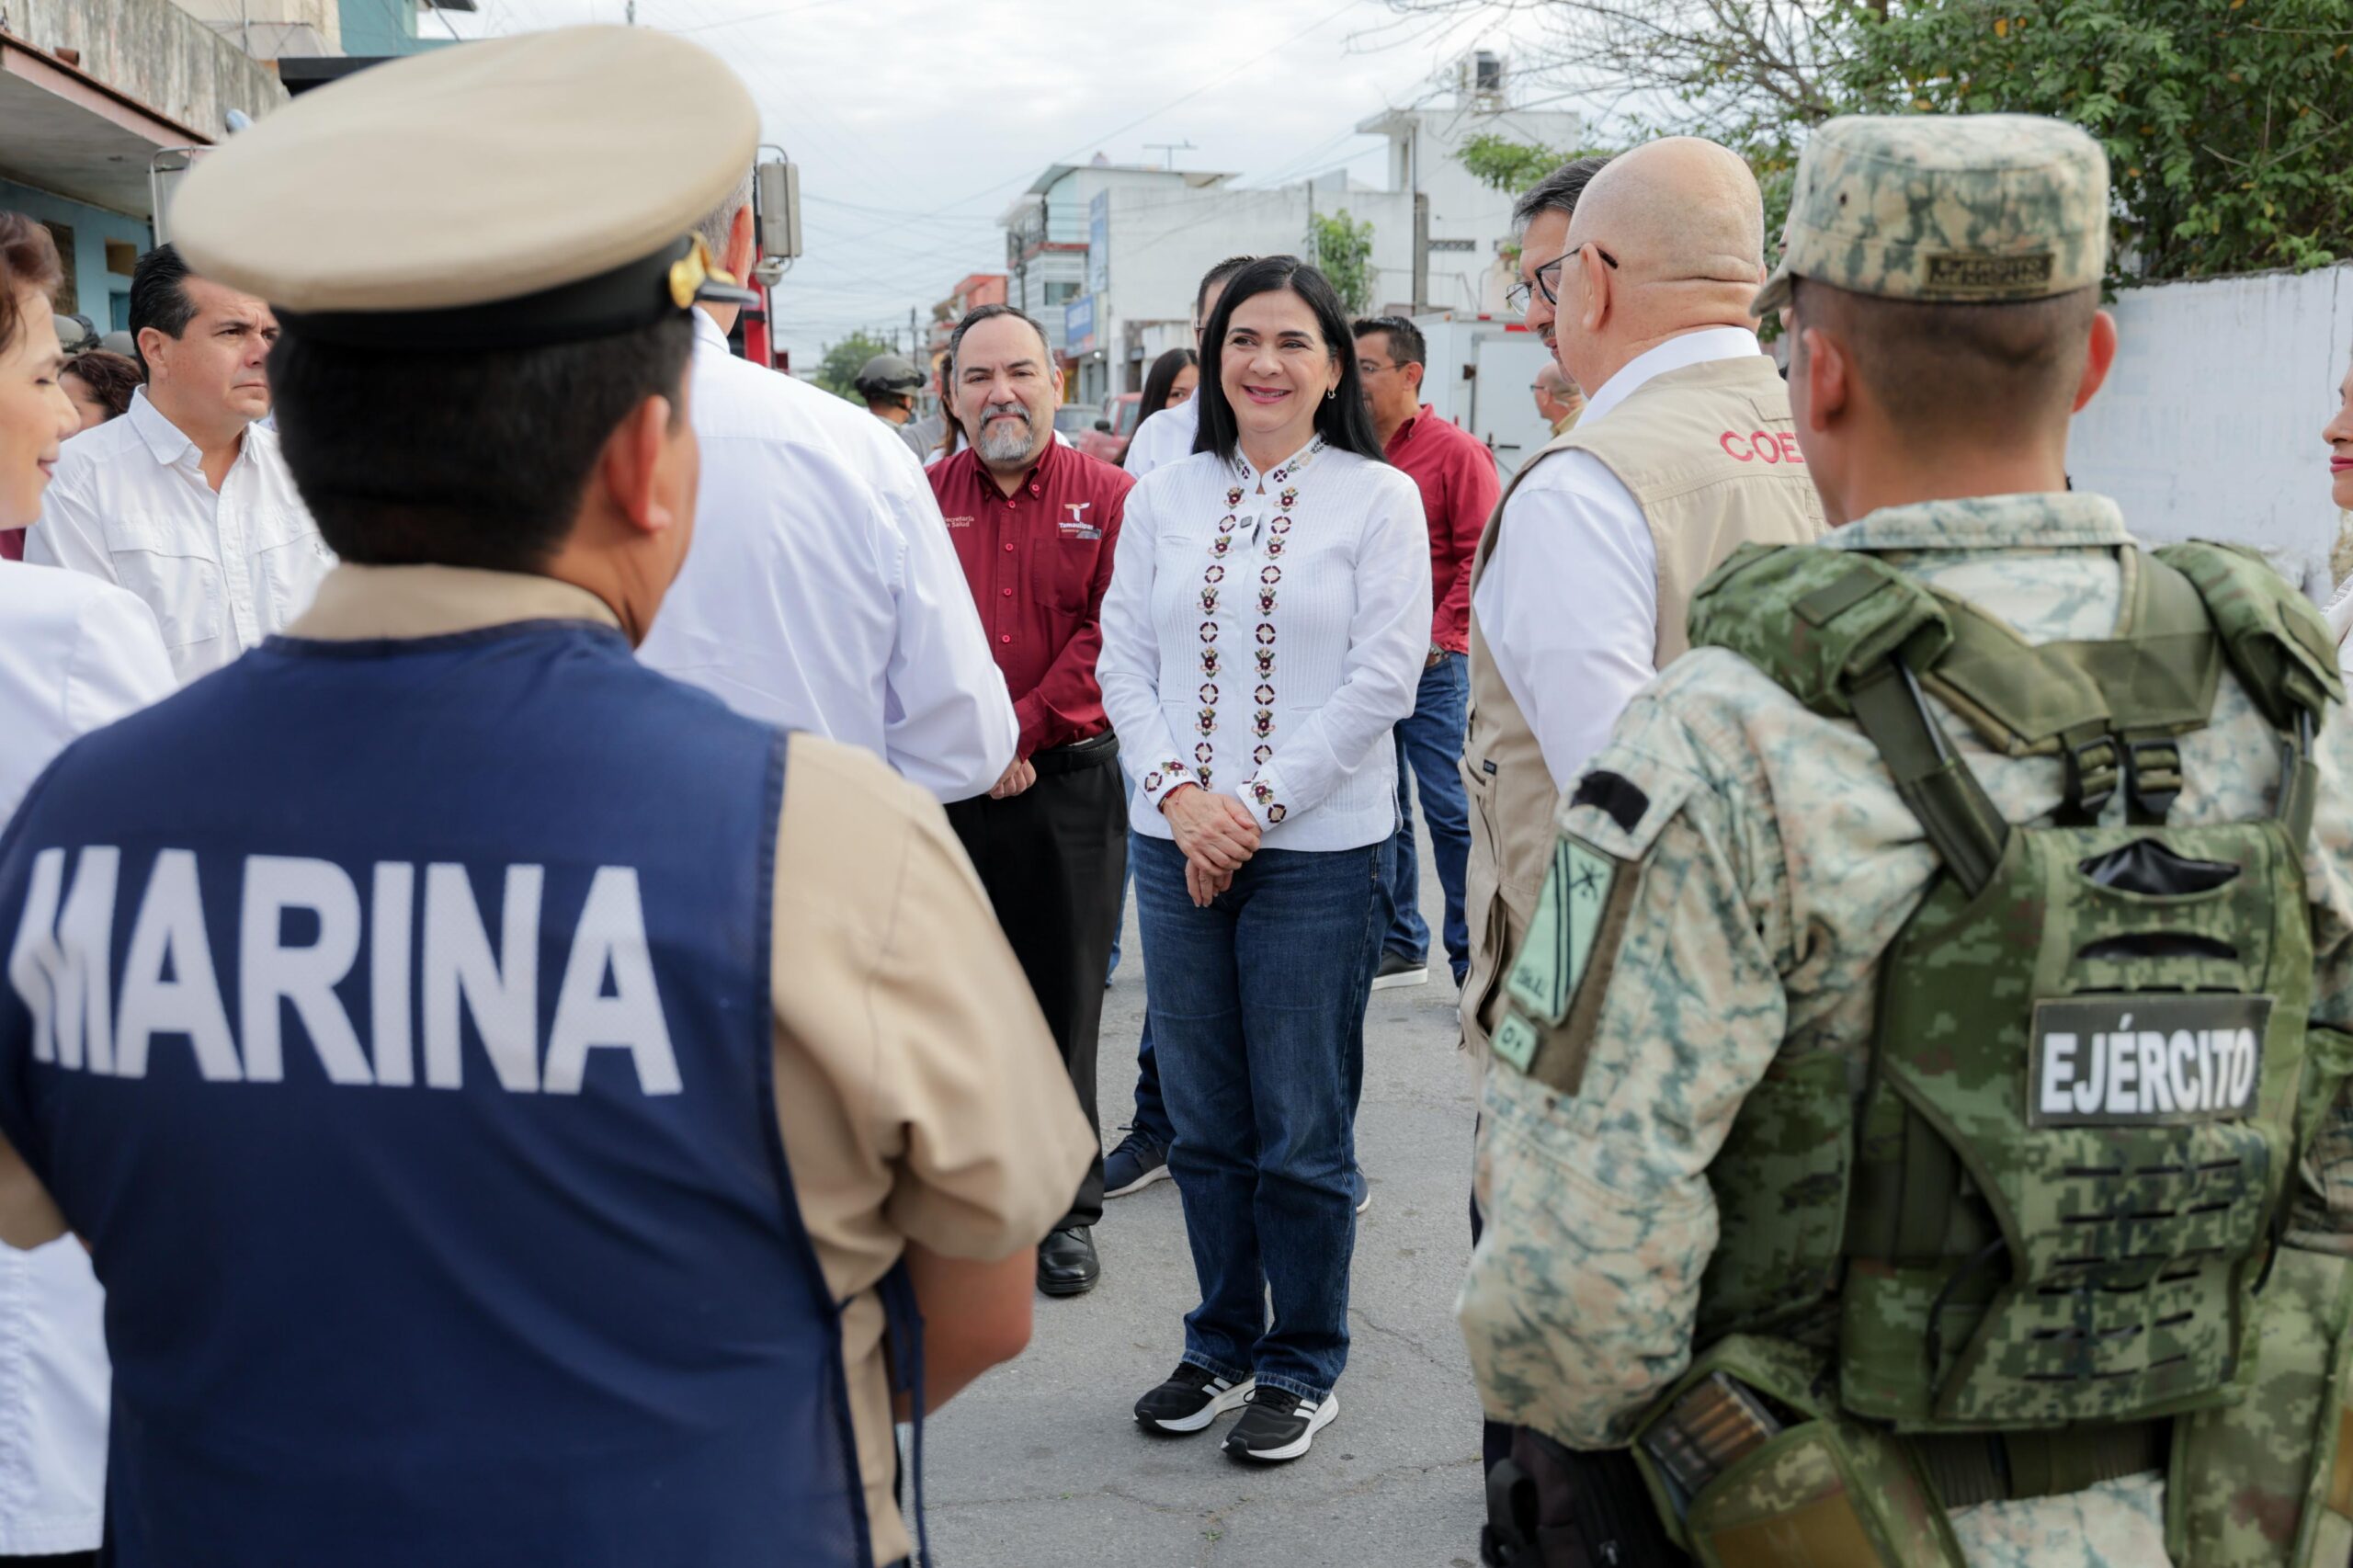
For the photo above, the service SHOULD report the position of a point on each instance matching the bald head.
(1668, 239)
(1679, 210)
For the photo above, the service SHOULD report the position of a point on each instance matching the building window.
(1060, 293)
(69, 297)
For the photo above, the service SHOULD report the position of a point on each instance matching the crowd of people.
(434, 642)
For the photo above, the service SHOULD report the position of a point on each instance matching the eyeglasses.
(1548, 278)
(1371, 368)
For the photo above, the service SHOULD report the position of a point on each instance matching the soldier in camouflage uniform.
(1742, 899)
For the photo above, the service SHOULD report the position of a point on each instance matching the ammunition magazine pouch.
(1753, 1465)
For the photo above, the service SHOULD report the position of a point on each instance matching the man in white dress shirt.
(1641, 281)
(1637, 272)
(822, 593)
(184, 500)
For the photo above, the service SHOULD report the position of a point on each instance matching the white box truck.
(1479, 375)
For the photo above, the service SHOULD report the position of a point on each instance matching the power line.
(1150, 115)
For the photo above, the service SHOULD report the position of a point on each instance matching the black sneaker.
(1279, 1425)
(1397, 968)
(1139, 1161)
(1190, 1399)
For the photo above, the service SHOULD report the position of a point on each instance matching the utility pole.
(1421, 220)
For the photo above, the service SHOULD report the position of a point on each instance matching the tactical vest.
(1709, 452)
(393, 1020)
(2044, 1246)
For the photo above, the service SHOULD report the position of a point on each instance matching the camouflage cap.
(1978, 208)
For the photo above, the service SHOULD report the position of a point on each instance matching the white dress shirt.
(821, 592)
(130, 505)
(1164, 437)
(1266, 661)
(1568, 605)
(74, 655)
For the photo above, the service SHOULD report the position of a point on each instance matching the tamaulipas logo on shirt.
(2148, 1058)
(171, 990)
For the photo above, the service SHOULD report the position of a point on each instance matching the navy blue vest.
(393, 1020)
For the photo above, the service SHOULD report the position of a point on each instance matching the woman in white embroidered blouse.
(1265, 631)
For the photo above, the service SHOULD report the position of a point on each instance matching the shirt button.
(1005, 637)
(1008, 545)
(1008, 593)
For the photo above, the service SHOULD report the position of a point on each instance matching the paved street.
(1041, 1464)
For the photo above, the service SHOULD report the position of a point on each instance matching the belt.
(1092, 752)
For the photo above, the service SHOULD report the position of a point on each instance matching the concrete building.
(91, 91)
(1108, 256)
(971, 291)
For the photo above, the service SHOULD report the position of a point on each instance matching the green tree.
(2228, 123)
(1344, 254)
(2229, 126)
(844, 359)
(1501, 163)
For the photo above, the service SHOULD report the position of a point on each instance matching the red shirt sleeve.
(1473, 488)
(1066, 699)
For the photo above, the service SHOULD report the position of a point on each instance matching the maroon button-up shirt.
(1037, 562)
(1459, 489)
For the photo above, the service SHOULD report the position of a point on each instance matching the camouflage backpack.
(2040, 1250)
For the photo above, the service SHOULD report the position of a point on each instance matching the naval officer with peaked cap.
(501, 1123)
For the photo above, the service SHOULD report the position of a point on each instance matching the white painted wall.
(2210, 424)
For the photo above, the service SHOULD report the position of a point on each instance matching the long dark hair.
(1161, 380)
(1342, 420)
(27, 260)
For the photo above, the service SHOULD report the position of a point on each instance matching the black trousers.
(1054, 860)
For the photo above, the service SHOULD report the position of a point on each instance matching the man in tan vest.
(1638, 273)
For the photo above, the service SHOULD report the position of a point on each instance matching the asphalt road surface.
(1040, 1464)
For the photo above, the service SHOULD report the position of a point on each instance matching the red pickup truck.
(1116, 426)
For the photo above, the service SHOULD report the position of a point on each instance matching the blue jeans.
(1431, 739)
(1257, 1007)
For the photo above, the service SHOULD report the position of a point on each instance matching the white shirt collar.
(164, 439)
(707, 330)
(1676, 354)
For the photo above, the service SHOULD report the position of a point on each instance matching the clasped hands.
(1216, 833)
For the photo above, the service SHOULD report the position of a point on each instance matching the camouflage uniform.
(1777, 863)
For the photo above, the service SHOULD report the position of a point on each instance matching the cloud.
(915, 122)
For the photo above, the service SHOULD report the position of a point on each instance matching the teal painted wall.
(385, 26)
(102, 296)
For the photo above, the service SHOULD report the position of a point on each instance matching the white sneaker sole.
(1230, 1400)
(1404, 977)
(1323, 1416)
(1157, 1173)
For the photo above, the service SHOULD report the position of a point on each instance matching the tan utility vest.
(1711, 454)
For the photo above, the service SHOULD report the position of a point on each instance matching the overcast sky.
(915, 122)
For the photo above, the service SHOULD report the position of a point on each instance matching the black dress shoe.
(1066, 1261)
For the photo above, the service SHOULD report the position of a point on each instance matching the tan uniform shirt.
(918, 1092)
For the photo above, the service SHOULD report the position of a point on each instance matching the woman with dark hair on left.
(1265, 631)
(74, 653)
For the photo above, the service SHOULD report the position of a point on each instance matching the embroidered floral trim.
(1171, 771)
(1258, 754)
(1263, 794)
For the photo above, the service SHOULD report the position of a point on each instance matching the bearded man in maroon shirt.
(1034, 523)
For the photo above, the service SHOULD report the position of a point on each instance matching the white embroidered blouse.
(1262, 636)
